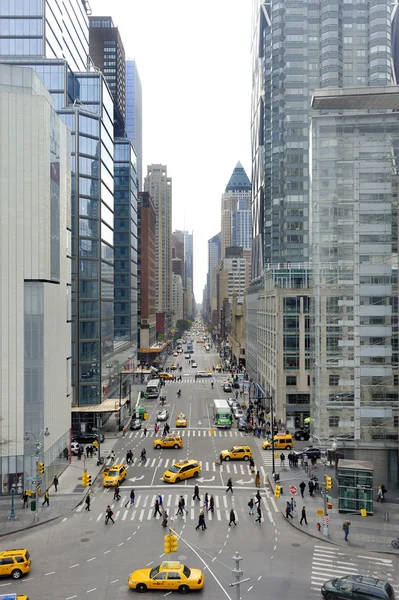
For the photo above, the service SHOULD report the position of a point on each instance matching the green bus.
(222, 414)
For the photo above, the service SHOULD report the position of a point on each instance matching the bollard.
(386, 517)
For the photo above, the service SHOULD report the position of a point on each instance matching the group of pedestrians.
(313, 485)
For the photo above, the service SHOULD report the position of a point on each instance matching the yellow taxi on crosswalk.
(182, 470)
(181, 420)
(166, 376)
(169, 575)
(236, 453)
(114, 476)
(168, 441)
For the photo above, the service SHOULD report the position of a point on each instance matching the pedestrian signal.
(277, 491)
(40, 468)
(329, 482)
(166, 544)
(173, 543)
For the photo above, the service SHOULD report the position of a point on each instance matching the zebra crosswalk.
(229, 433)
(329, 562)
(143, 508)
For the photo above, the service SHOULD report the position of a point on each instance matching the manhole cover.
(296, 545)
(182, 557)
(90, 531)
(85, 540)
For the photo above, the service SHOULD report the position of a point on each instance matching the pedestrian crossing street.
(190, 379)
(143, 508)
(329, 562)
(184, 432)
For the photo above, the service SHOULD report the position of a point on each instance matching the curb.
(16, 531)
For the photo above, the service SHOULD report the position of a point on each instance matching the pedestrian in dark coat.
(303, 516)
(87, 502)
(229, 485)
(116, 493)
(196, 493)
(55, 483)
(251, 506)
(258, 498)
(311, 488)
(288, 512)
(259, 515)
(156, 508)
(25, 499)
(302, 487)
(232, 518)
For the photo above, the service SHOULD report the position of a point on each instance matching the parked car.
(302, 435)
(231, 401)
(242, 425)
(310, 451)
(86, 438)
(238, 413)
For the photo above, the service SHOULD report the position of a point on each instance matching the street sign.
(320, 512)
(326, 519)
(292, 490)
(8, 597)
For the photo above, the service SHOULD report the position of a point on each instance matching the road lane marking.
(124, 515)
(92, 590)
(71, 597)
(50, 573)
(107, 551)
(90, 559)
(115, 581)
(77, 564)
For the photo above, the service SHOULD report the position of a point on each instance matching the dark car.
(86, 438)
(236, 385)
(242, 425)
(302, 434)
(357, 587)
(310, 451)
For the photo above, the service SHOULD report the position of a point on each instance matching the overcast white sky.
(195, 67)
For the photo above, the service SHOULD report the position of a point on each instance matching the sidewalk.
(373, 533)
(70, 492)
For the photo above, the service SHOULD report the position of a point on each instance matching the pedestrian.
(232, 518)
(116, 493)
(160, 499)
(384, 490)
(293, 505)
(220, 458)
(258, 498)
(201, 521)
(179, 508)
(288, 512)
(112, 455)
(87, 502)
(55, 483)
(183, 502)
(303, 516)
(302, 487)
(259, 515)
(282, 459)
(257, 479)
(229, 485)
(251, 506)
(66, 454)
(211, 504)
(380, 494)
(124, 432)
(87, 451)
(156, 508)
(206, 501)
(165, 517)
(80, 453)
(311, 488)
(25, 499)
(131, 499)
(46, 498)
(196, 493)
(108, 515)
(91, 450)
(145, 431)
(345, 527)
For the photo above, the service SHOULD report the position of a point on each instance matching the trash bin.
(276, 477)
(33, 505)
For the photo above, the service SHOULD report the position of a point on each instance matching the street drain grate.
(79, 488)
(296, 545)
(85, 540)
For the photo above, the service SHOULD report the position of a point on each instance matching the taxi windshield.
(174, 469)
(113, 473)
(186, 571)
(154, 571)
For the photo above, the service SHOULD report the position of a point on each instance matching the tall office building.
(146, 232)
(214, 252)
(241, 225)
(35, 283)
(159, 186)
(59, 54)
(177, 298)
(108, 54)
(183, 249)
(237, 189)
(134, 114)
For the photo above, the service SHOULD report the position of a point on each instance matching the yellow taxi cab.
(116, 474)
(237, 453)
(180, 351)
(175, 354)
(182, 470)
(173, 367)
(169, 575)
(218, 368)
(181, 420)
(15, 563)
(209, 371)
(22, 597)
(166, 376)
(168, 441)
(200, 341)
(281, 442)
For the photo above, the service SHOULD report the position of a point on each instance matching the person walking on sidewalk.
(232, 518)
(257, 479)
(25, 499)
(87, 502)
(303, 516)
(196, 493)
(288, 512)
(229, 485)
(311, 488)
(46, 498)
(55, 483)
(251, 506)
(380, 494)
(259, 515)
(302, 487)
(108, 515)
(345, 527)
(156, 508)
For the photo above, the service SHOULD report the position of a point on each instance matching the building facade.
(35, 285)
(241, 225)
(146, 309)
(159, 186)
(214, 251)
(237, 189)
(177, 298)
(108, 54)
(134, 114)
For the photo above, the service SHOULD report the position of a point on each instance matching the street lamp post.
(44, 432)
(13, 516)
(333, 447)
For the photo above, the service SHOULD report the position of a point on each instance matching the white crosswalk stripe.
(329, 562)
(143, 508)
(190, 432)
(237, 468)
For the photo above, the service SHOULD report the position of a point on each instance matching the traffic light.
(173, 542)
(40, 468)
(85, 478)
(88, 479)
(277, 491)
(167, 544)
(329, 482)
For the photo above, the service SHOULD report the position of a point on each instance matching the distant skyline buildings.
(237, 189)
(134, 114)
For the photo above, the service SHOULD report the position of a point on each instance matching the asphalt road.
(81, 557)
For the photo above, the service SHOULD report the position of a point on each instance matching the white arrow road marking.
(136, 478)
(202, 480)
(241, 482)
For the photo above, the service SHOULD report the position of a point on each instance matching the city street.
(80, 556)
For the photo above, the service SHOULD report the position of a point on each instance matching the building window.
(333, 380)
(333, 421)
(290, 380)
(291, 362)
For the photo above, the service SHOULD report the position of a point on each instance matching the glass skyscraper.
(134, 114)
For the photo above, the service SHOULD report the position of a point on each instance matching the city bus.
(222, 413)
(189, 348)
(153, 388)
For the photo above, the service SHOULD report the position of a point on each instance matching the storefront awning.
(110, 405)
